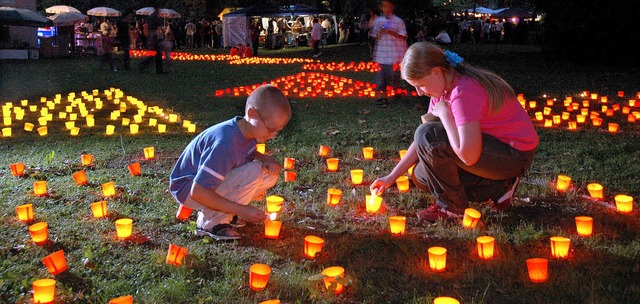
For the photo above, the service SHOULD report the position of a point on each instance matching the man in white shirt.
(316, 36)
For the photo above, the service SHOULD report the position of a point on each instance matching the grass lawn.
(379, 268)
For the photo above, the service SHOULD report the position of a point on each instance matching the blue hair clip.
(452, 58)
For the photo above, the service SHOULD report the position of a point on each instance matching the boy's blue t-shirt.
(209, 157)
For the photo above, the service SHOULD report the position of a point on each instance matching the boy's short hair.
(268, 95)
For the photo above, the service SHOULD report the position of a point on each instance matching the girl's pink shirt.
(470, 102)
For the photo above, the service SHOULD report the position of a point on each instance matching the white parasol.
(165, 13)
(57, 9)
(68, 18)
(102, 11)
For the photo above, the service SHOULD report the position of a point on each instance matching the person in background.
(220, 171)
(234, 51)
(316, 36)
(255, 28)
(190, 30)
(443, 37)
(155, 41)
(474, 143)
(167, 46)
(248, 52)
(123, 38)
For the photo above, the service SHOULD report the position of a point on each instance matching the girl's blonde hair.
(421, 57)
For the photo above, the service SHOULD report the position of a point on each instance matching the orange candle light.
(290, 176)
(108, 189)
(184, 212)
(397, 225)
(17, 169)
(367, 153)
(402, 153)
(560, 246)
(109, 129)
(124, 227)
(149, 153)
(595, 190)
(539, 116)
(259, 276)
(86, 159)
(56, 262)
(330, 281)
(373, 203)
(624, 203)
(99, 209)
(312, 245)
(272, 227)
(486, 246)
(356, 176)
(134, 169)
(471, 218)
(80, 177)
(333, 196)
(613, 127)
(274, 203)
(596, 121)
(274, 301)
(403, 183)
(44, 291)
(261, 148)
(437, 258)
(39, 232)
(25, 212)
(538, 269)
(175, 255)
(563, 182)
(445, 300)
(40, 188)
(332, 164)
(324, 151)
(584, 225)
(122, 300)
(288, 163)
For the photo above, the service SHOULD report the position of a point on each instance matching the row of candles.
(74, 108)
(184, 56)
(371, 67)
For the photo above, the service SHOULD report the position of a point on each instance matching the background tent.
(235, 25)
(513, 13)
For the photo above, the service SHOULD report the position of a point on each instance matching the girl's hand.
(380, 184)
(441, 109)
(272, 168)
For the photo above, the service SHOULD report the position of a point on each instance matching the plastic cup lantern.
(6, 132)
(44, 290)
(134, 169)
(595, 190)
(149, 153)
(261, 148)
(356, 176)
(333, 196)
(471, 218)
(86, 159)
(290, 176)
(108, 189)
(330, 281)
(624, 203)
(324, 151)
(560, 246)
(56, 262)
(402, 153)
(274, 203)
(288, 163)
(332, 164)
(25, 213)
(259, 276)
(175, 255)
(80, 177)
(122, 300)
(367, 153)
(403, 183)
(445, 300)
(373, 203)
(39, 232)
(538, 269)
(124, 227)
(486, 246)
(28, 126)
(563, 182)
(184, 212)
(109, 129)
(99, 209)
(274, 301)
(162, 128)
(584, 225)
(40, 188)
(272, 227)
(437, 258)
(17, 169)
(134, 128)
(397, 225)
(43, 131)
(312, 245)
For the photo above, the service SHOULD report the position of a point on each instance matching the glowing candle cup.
(403, 183)
(563, 183)
(397, 225)
(288, 163)
(149, 153)
(99, 209)
(485, 246)
(367, 153)
(471, 218)
(373, 203)
(445, 300)
(324, 151)
(184, 212)
(86, 159)
(272, 227)
(333, 196)
(437, 258)
(175, 255)
(122, 300)
(17, 169)
(332, 164)
(560, 246)
(259, 276)
(56, 262)
(80, 177)
(108, 189)
(356, 176)
(124, 227)
(40, 188)
(39, 232)
(290, 176)
(44, 291)
(330, 281)
(312, 245)
(261, 148)
(134, 169)
(595, 190)
(274, 203)
(538, 269)
(624, 203)
(584, 225)
(25, 212)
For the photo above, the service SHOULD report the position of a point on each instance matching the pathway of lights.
(269, 60)
(109, 110)
(342, 66)
(313, 84)
(183, 56)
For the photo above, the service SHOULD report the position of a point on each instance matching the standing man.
(255, 29)
(190, 30)
(391, 43)
(316, 36)
(124, 39)
(155, 41)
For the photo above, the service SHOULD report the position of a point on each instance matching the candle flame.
(272, 216)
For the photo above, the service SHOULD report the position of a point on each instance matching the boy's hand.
(252, 214)
(272, 168)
